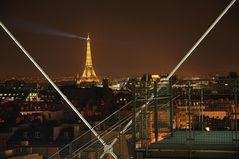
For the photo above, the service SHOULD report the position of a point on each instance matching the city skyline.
(127, 38)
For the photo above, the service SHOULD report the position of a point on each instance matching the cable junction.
(179, 64)
(106, 147)
(109, 148)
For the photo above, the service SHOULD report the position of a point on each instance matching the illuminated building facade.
(89, 76)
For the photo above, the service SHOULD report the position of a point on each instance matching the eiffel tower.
(88, 77)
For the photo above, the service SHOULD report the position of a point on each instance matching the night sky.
(128, 37)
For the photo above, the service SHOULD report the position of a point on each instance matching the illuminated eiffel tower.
(88, 77)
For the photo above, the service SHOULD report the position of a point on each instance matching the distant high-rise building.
(88, 77)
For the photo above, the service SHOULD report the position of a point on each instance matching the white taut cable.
(199, 40)
(181, 62)
(108, 148)
(57, 89)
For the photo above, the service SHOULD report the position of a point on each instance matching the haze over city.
(127, 37)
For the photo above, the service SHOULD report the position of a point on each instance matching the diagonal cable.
(184, 59)
(56, 88)
(200, 39)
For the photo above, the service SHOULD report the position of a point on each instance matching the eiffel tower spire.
(88, 77)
